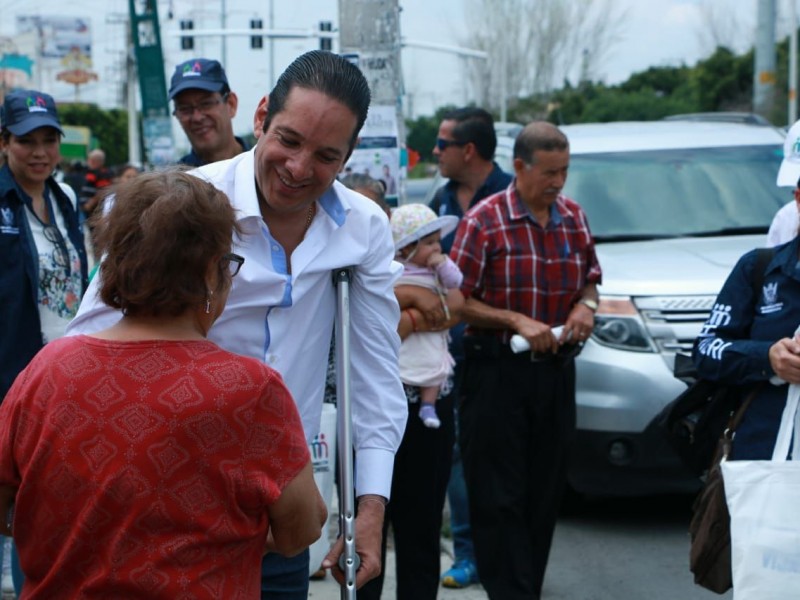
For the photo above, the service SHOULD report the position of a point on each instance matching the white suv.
(672, 205)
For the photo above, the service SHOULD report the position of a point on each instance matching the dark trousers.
(285, 578)
(419, 484)
(516, 421)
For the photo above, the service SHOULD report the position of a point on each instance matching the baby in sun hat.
(424, 358)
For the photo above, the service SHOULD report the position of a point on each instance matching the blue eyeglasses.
(443, 144)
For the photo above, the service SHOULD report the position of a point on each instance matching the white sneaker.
(8, 584)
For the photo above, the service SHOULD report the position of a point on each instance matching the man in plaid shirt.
(529, 265)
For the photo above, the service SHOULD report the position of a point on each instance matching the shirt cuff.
(373, 470)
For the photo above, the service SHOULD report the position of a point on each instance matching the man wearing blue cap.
(205, 107)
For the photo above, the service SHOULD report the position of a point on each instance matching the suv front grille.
(674, 322)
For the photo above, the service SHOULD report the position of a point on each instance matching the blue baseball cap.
(26, 110)
(198, 74)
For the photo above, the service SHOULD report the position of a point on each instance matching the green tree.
(110, 127)
(661, 80)
(780, 113)
(723, 81)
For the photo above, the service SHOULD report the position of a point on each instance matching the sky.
(662, 33)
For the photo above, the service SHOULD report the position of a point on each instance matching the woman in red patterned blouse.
(144, 461)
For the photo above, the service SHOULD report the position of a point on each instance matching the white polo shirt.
(286, 320)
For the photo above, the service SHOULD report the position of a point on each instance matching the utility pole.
(792, 95)
(369, 34)
(765, 59)
(370, 29)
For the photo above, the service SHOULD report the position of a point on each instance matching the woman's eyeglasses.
(61, 254)
(234, 261)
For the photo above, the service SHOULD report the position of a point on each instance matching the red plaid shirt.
(511, 262)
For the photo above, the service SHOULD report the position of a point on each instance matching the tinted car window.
(677, 192)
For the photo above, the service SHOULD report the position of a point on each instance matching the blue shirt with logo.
(733, 345)
(21, 336)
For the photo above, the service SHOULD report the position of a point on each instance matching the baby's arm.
(449, 274)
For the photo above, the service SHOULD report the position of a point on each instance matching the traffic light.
(325, 43)
(256, 41)
(187, 41)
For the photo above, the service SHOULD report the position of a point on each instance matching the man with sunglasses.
(205, 107)
(464, 150)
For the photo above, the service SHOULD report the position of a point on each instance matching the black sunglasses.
(61, 254)
(235, 262)
(443, 144)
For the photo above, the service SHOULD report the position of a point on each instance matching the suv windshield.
(677, 192)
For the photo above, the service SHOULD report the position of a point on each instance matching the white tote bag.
(764, 503)
(323, 458)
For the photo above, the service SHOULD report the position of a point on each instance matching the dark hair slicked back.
(329, 74)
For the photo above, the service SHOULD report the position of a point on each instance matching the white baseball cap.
(790, 167)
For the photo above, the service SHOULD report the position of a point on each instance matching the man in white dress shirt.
(299, 224)
(786, 221)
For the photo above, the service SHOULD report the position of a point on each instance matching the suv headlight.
(617, 324)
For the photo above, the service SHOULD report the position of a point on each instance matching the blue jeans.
(461, 530)
(285, 578)
(463, 548)
(16, 571)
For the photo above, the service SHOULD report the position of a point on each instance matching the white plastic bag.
(323, 457)
(764, 503)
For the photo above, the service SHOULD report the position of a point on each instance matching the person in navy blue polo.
(464, 149)
(45, 267)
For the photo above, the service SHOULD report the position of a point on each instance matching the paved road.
(623, 549)
(328, 589)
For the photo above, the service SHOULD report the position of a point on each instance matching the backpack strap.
(763, 256)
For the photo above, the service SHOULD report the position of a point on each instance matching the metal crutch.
(349, 561)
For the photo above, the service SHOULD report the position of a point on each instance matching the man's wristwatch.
(592, 304)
